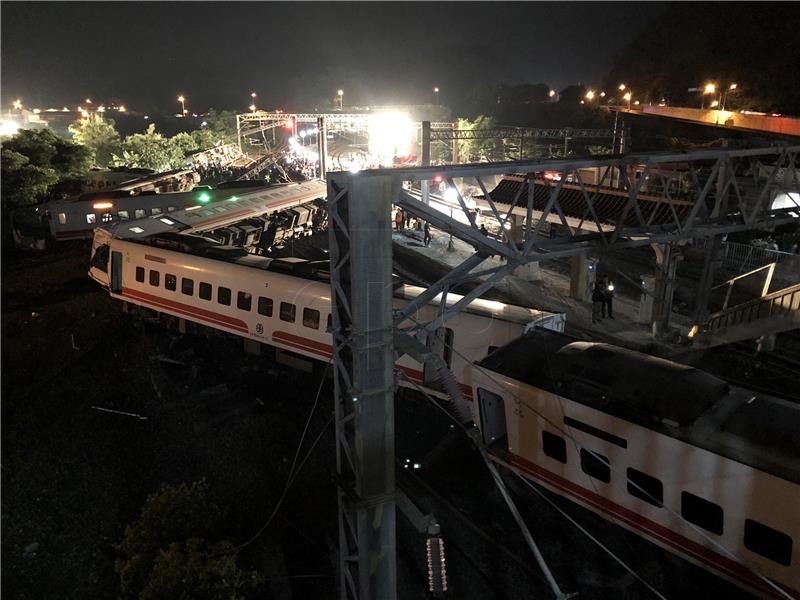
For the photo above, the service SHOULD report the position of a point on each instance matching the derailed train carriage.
(705, 470)
(284, 303)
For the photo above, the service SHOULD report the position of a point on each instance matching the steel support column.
(322, 146)
(426, 160)
(363, 354)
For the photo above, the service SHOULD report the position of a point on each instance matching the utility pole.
(425, 186)
(322, 146)
(360, 240)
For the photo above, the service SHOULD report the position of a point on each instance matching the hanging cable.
(501, 486)
(519, 402)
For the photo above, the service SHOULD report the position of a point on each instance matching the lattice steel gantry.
(730, 191)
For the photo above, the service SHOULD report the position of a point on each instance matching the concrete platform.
(551, 292)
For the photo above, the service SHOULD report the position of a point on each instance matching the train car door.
(440, 343)
(116, 272)
(493, 416)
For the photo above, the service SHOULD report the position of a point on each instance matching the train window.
(123, 215)
(311, 318)
(170, 282)
(91, 218)
(554, 446)
(140, 274)
(766, 541)
(187, 286)
(701, 512)
(224, 295)
(595, 465)
(170, 208)
(288, 311)
(645, 487)
(205, 291)
(155, 277)
(598, 433)
(265, 306)
(155, 211)
(139, 213)
(244, 300)
(62, 218)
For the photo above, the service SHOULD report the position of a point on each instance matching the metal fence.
(740, 258)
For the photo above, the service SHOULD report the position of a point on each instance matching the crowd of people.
(221, 163)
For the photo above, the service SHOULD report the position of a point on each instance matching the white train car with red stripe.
(284, 303)
(705, 470)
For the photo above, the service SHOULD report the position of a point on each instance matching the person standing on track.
(426, 239)
(607, 291)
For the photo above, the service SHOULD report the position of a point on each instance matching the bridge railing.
(779, 303)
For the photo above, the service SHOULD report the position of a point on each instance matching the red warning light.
(287, 124)
(438, 179)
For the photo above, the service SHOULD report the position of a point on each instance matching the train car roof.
(480, 306)
(225, 209)
(675, 399)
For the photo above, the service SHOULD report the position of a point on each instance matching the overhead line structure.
(729, 191)
(450, 133)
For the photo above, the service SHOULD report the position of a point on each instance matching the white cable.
(290, 479)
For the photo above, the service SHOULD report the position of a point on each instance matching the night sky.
(295, 55)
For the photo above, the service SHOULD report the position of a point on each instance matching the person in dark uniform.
(426, 239)
(484, 231)
(608, 298)
(597, 301)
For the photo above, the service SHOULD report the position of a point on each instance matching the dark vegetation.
(752, 44)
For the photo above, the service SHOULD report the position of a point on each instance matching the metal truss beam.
(361, 279)
(450, 133)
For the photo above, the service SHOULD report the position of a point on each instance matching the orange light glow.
(102, 205)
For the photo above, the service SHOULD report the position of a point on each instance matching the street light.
(590, 95)
(627, 97)
(340, 95)
(709, 88)
(18, 104)
(551, 93)
(436, 95)
(253, 107)
(88, 101)
(731, 88)
(621, 87)
(253, 104)
(182, 100)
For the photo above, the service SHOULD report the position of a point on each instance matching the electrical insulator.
(437, 572)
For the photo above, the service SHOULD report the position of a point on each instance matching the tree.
(476, 149)
(174, 550)
(204, 139)
(24, 183)
(151, 150)
(222, 125)
(34, 162)
(184, 142)
(196, 570)
(99, 135)
(693, 43)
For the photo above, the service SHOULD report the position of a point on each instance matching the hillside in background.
(755, 45)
